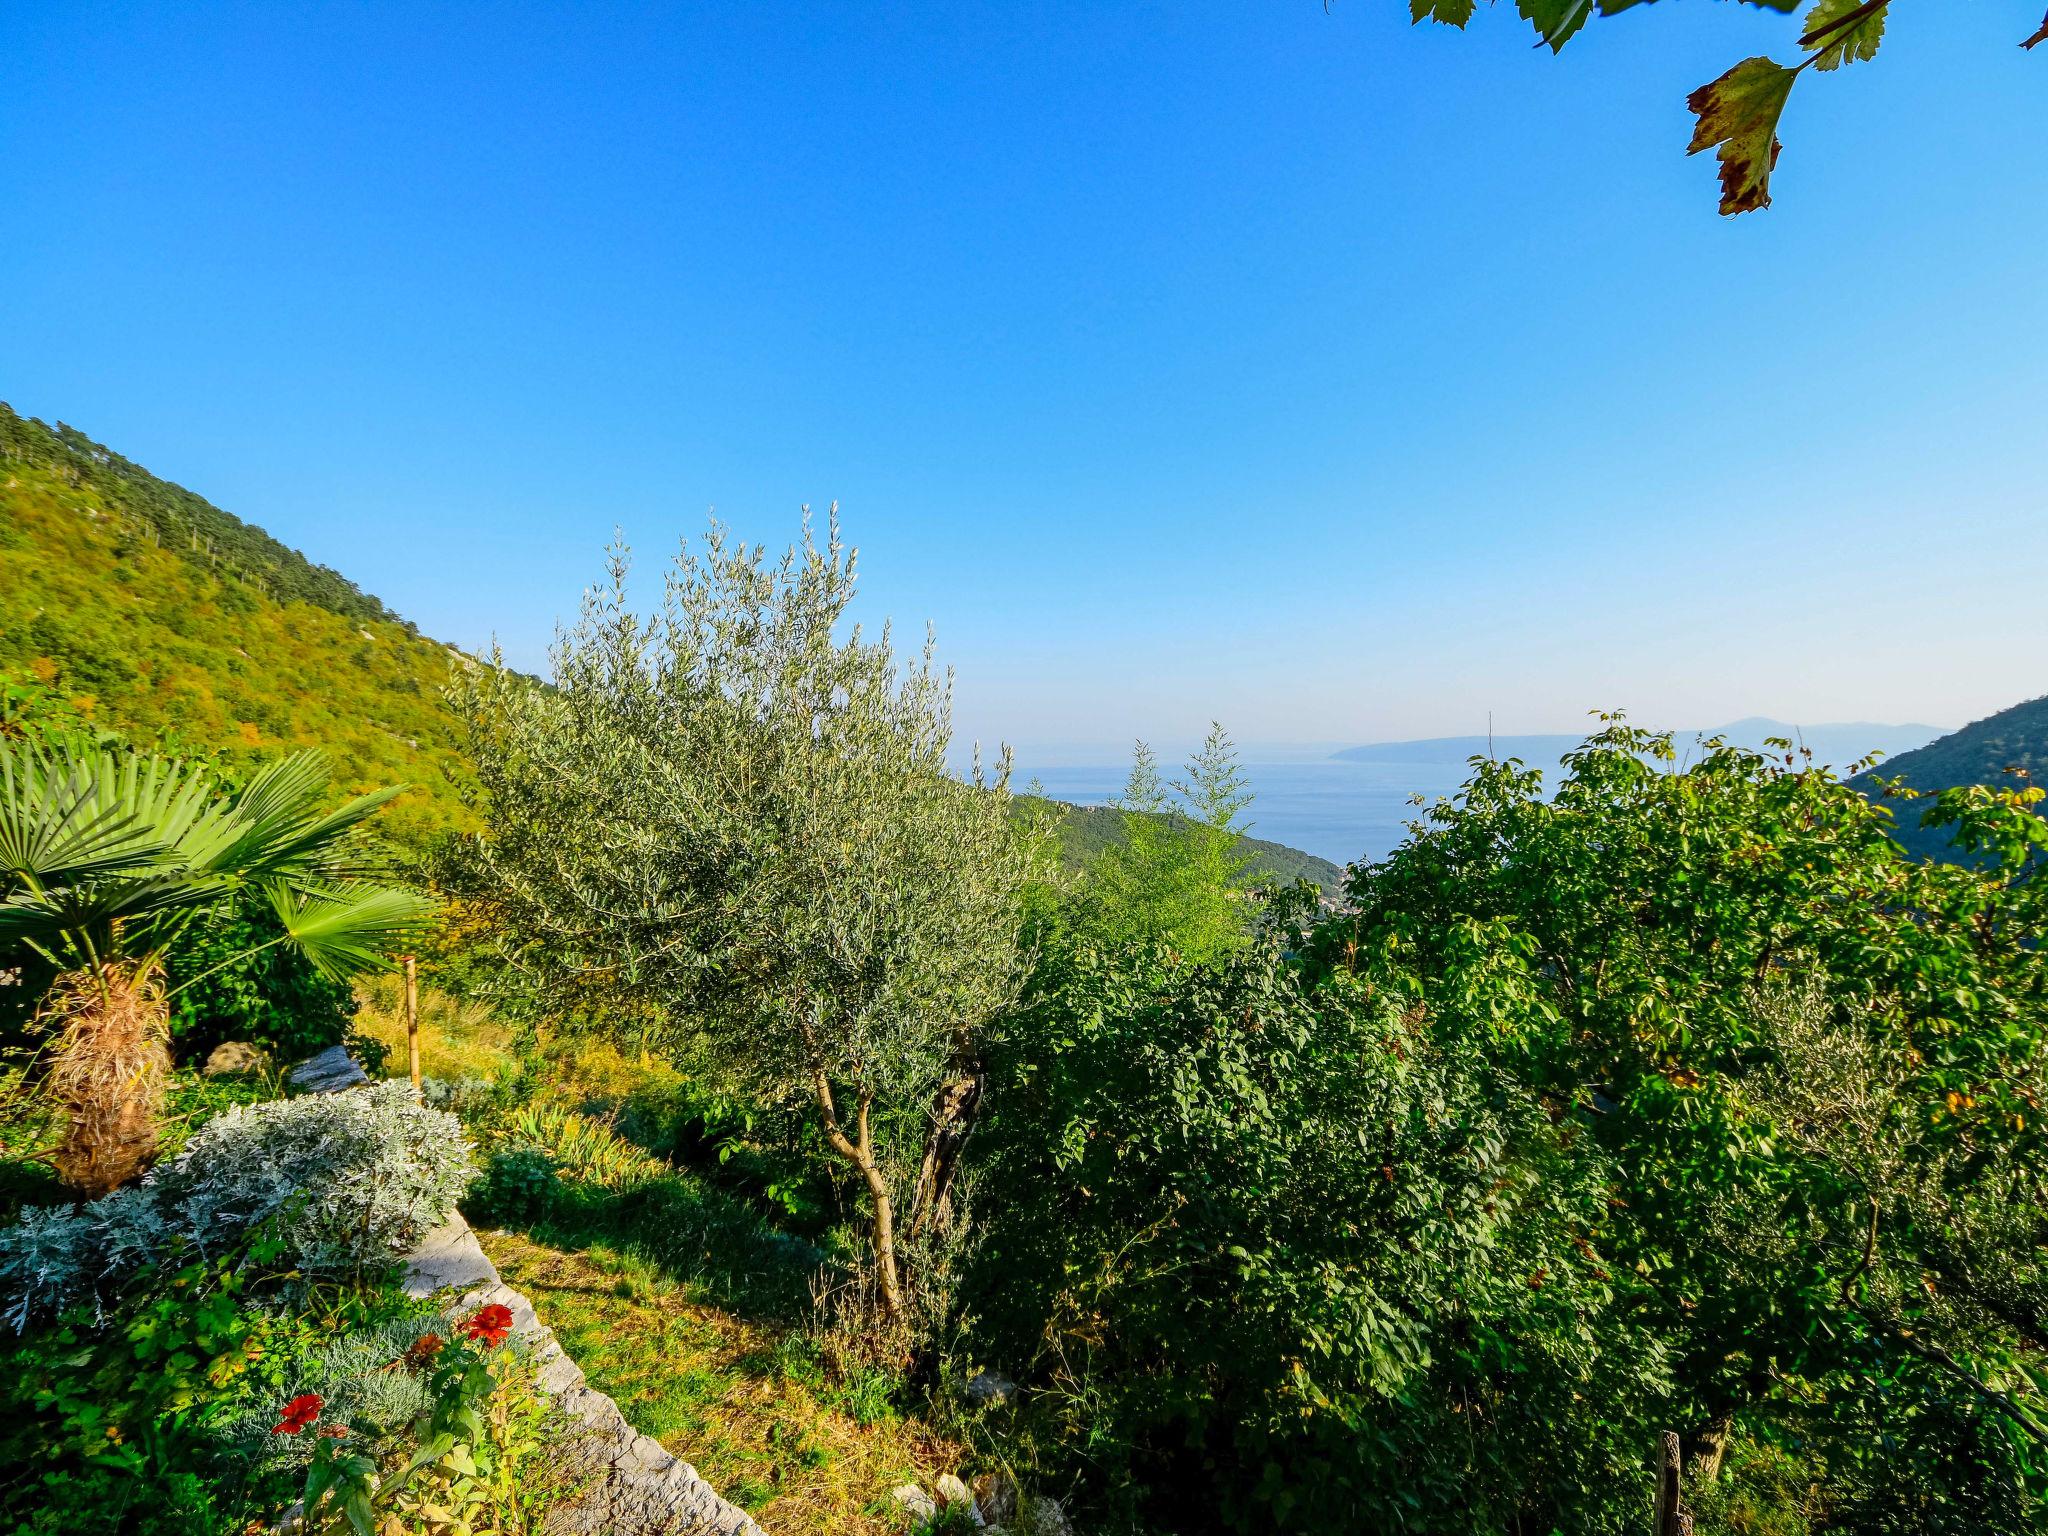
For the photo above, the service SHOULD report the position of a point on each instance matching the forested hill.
(1983, 752)
(145, 608)
(1085, 830)
(185, 523)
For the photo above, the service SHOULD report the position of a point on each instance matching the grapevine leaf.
(1452, 13)
(1614, 7)
(1739, 112)
(1555, 21)
(1844, 31)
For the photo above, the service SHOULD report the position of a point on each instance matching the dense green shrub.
(230, 978)
(344, 1182)
(1300, 1252)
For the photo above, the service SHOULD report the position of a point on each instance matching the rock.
(987, 1389)
(232, 1058)
(328, 1072)
(916, 1502)
(1043, 1516)
(952, 1491)
(625, 1484)
(995, 1496)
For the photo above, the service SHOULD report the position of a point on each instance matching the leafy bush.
(346, 1182)
(230, 979)
(1281, 1251)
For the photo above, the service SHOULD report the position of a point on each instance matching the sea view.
(1340, 811)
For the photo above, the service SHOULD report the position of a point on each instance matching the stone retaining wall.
(628, 1484)
(631, 1486)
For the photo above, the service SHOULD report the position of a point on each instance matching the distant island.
(1837, 744)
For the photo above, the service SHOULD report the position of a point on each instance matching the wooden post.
(412, 1020)
(1671, 1520)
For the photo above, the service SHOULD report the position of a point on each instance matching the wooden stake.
(412, 1020)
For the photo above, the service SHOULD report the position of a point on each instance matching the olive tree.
(736, 813)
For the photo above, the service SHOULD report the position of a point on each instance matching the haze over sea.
(1358, 805)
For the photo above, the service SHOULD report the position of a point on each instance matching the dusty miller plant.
(346, 1181)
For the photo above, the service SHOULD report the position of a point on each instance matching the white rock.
(915, 1501)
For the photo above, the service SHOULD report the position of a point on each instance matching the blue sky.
(1340, 379)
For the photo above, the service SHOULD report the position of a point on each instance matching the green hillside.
(1085, 830)
(1987, 751)
(133, 603)
(144, 607)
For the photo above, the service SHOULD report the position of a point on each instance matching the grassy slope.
(1980, 753)
(1085, 830)
(104, 602)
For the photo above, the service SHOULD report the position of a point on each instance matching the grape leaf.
(1844, 31)
(1614, 7)
(1555, 21)
(1452, 13)
(1739, 112)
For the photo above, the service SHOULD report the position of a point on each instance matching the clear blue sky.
(1341, 379)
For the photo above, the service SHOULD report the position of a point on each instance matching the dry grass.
(750, 1406)
(458, 1038)
(107, 1071)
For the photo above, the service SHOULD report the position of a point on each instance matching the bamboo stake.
(412, 1020)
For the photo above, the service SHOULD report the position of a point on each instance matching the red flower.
(489, 1326)
(299, 1412)
(420, 1354)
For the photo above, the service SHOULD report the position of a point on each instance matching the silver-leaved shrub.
(346, 1181)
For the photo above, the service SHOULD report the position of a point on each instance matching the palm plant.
(106, 856)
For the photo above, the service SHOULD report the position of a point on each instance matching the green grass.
(752, 1403)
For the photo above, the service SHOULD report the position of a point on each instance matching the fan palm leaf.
(348, 929)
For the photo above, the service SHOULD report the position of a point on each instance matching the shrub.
(240, 983)
(1291, 1252)
(346, 1181)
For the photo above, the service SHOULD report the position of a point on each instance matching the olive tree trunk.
(859, 1150)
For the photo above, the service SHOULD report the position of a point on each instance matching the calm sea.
(1342, 811)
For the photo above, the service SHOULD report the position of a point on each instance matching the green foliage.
(248, 985)
(108, 855)
(127, 1422)
(732, 817)
(1737, 113)
(1815, 1062)
(1083, 833)
(111, 617)
(1180, 874)
(2008, 750)
(175, 518)
(1289, 1251)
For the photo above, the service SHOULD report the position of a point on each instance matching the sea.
(1340, 811)
(1348, 804)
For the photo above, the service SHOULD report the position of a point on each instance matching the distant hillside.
(1837, 744)
(1982, 752)
(151, 610)
(1085, 830)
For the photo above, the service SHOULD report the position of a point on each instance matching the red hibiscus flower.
(489, 1326)
(299, 1412)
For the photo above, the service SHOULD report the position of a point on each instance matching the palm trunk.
(111, 1062)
